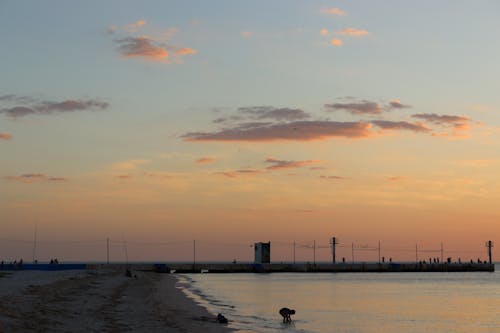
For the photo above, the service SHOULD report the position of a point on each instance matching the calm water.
(325, 302)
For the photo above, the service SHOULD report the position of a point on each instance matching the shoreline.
(100, 301)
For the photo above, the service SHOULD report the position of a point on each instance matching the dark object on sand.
(221, 319)
(286, 313)
(128, 273)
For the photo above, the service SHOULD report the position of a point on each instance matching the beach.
(99, 301)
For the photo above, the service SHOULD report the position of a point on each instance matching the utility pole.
(34, 244)
(107, 250)
(194, 253)
(379, 252)
(416, 253)
(352, 253)
(334, 243)
(441, 252)
(489, 244)
(314, 252)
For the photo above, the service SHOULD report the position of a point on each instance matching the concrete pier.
(324, 267)
(268, 268)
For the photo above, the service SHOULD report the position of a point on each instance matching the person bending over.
(286, 313)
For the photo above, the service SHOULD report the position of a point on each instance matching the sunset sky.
(228, 122)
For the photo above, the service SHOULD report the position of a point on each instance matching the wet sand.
(99, 301)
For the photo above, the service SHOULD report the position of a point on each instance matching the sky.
(156, 123)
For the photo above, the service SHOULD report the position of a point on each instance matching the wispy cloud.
(5, 136)
(357, 108)
(133, 27)
(352, 32)
(141, 47)
(400, 125)
(239, 173)
(282, 164)
(333, 177)
(205, 160)
(292, 131)
(50, 107)
(476, 163)
(124, 177)
(396, 104)
(129, 165)
(365, 107)
(333, 11)
(396, 178)
(246, 34)
(269, 112)
(157, 48)
(336, 42)
(35, 177)
(457, 122)
(324, 32)
(13, 98)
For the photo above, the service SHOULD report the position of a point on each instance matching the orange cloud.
(186, 50)
(141, 47)
(476, 163)
(333, 11)
(5, 136)
(333, 177)
(324, 32)
(205, 160)
(135, 26)
(396, 178)
(352, 32)
(124, 176)
(336, 42)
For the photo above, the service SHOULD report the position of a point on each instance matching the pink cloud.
(292, 131)
(5, 136)
(185, 51)
(238, 173)
(352, 32)
(135, 26)
(396, 178)
(124, 176)
(396, 104)
(246, 34)
(205, 160)
(333, 11)
(142, 47)
(336, 42)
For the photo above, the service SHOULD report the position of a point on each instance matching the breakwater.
(266, 268)
(323, 268)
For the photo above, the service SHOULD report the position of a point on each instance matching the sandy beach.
(99, 301)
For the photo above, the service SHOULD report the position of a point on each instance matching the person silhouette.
(286, 313)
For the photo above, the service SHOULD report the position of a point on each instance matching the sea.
(352, 302)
